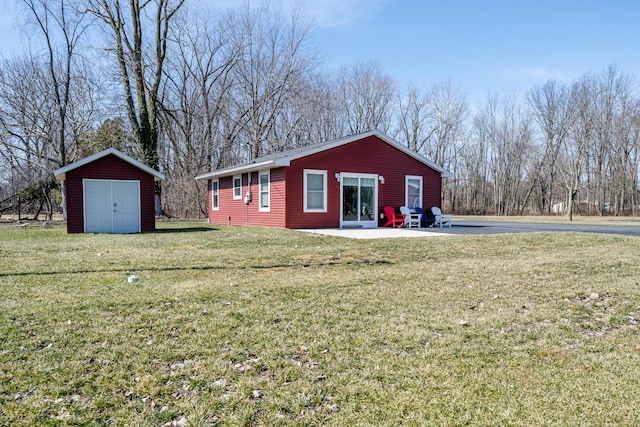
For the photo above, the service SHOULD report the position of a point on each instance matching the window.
(237, 187)
(413, 191)
(263, 179)
(315, 191)
(214, 195)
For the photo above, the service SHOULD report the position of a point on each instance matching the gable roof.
(284, 158)
(61, 173)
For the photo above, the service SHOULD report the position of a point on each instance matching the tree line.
(187, 90)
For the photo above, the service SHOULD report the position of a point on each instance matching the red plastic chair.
(393, 219)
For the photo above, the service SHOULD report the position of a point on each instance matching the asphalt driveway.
(468, 226)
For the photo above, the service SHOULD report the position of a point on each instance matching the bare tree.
(634, 159)
(269, 78)
(610, 150)
(475, 170)
(28, 123)
(448, 109)
(317, 117)
(623, 148)
(506, 131)
(26, 118)
(574, 148)
(61, 27)
(194, 96)
(59, 20)
(367, 97)
(550, 106)
(414, 117)
(140, 64)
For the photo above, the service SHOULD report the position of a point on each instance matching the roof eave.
(247, 168)
(61, 173)
(61, 177)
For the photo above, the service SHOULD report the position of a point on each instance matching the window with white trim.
(237, 187)
(315, 190)
(413, 191)
(263, 185)
(215, 195)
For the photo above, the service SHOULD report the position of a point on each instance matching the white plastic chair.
(440, 219)
(410, 220)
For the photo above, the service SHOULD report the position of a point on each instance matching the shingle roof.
(60, 173)
(284, 158)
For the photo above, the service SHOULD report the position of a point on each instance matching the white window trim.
(268, 207)
(373, 223)
(238, 188)
(217, 192)
(406, 189)
(306, 172)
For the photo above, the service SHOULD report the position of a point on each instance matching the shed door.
(111, 206)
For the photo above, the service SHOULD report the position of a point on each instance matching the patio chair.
(393, 219)
(440, 220)
(410, 220)
(427, 218)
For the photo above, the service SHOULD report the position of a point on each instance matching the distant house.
(340, 183)
(109, 192)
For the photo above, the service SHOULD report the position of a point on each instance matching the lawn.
(633, 221)
(252, 326)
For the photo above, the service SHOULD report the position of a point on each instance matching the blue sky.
(484, 47)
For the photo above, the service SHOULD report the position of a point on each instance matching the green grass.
(253, 326)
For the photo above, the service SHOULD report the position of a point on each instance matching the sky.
(484, 47)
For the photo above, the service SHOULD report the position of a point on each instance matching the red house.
(340, 183)
(109, 192)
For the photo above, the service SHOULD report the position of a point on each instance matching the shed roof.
(61, 173)
(284, 158)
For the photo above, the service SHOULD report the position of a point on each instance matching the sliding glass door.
(359, 200)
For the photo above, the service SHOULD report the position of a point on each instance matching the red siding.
(369, 155)
(235, 212)
(114, 168)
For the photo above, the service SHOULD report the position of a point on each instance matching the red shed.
(340, 183)
(109, 192)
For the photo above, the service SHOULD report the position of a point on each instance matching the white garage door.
(111, 206)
